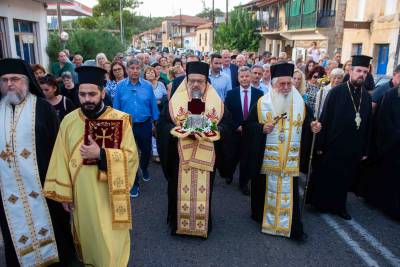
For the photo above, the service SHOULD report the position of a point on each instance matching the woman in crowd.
(176, 70)
(164, 69)
(107, 67)
(336, 77)
(346, 67)
(117, 73)
(310, 64)
(101, 60)
(39, 71)
(159, 92)
(61, 104)
(313, 86)
(299, 81)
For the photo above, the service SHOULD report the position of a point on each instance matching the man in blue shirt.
(220, 82)
(135, 96)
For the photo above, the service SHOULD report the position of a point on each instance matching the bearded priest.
(91, 171)
(277, 133)
(192, 139)
(30, 225)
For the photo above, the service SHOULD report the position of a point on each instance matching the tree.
(240, 32)
(207, 13)
(87, 43)
(110, 7)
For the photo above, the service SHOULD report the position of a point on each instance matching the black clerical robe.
(169, 157)
(382, 187)
(340, 147)
(46, 128)
(254, 147)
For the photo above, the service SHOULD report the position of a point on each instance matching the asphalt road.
(370, 239)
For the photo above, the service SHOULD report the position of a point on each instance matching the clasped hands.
(315, 127)
(91, 151)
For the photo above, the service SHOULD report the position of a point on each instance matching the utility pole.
(213, 23)
(180, 22)
(60, 25)
(121, 30)
(226, 13)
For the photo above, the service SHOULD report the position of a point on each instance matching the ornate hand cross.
(103, 137)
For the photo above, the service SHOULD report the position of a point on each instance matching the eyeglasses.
(13, 80)
(118, 69)
(192, 81)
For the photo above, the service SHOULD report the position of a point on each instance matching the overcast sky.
(162, 8)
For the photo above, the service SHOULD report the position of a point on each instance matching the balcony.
(320, 19)
(326, 18)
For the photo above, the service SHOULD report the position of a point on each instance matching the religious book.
(106, 133)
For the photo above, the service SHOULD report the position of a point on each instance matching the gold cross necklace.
(9, 153)
(357, 119)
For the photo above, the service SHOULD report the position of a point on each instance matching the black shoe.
(245, 190)
(345, 215)
(228, 180)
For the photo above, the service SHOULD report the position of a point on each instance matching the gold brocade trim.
(29, 249)
(119, 197)
(294, 149)
(54, 196)
(271, 157)
(58, 182)
(271, 148)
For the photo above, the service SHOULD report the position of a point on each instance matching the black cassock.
(167, 146)
(340, 147)
(46, 129)
(254, 147)
(381, 187)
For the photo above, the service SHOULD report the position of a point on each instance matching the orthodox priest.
(382, 187)
(191, 132)
(91, 171)
(277, 134)
(28, 128)
(343, 142)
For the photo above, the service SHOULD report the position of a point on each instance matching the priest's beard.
(196, 93)
(14, 97)
(91, 110)
(357, 82)
(281, 102)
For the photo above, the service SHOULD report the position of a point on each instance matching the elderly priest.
(277, 134)
(191, 136)
(91, 170)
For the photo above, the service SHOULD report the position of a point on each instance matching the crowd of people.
(79, 137)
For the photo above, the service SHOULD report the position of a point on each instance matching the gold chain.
(352, 99)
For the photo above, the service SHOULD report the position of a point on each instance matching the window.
(200, 39)
(26, 40)
(187, 29)
(390, 7)
(356, 49)
(3, 38)
(361, 10)
(205, 39)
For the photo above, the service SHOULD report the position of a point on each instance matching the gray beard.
(197, 94)
(280, 102)
(14, 98)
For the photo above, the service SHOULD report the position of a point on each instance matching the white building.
(23, 30)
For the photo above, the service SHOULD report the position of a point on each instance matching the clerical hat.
(360, 60)
(92, 75)
(19, 66)
(196, 67)
(282, 69)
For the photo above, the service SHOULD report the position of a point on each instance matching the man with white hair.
(240, 60)
(277, 131)
(230, 70)
(30, 225)
(265, 82)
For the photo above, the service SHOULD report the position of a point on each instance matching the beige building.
(175, 29)
(204, 42)
(152, 37)
(372, 28)
(291, 25)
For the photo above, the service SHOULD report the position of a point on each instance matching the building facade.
(204, 35)
(175, 29)
(292, 25)
(373, 28)
(152, 37)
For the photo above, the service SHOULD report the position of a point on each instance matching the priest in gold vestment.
(277, 134)
(92, 179)
(192, 133)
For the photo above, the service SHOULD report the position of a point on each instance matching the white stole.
(24, 204)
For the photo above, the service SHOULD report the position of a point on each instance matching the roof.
(258, 3)
(207, 25)
(69, 8)
(187, 20)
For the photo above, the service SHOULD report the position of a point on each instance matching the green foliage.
(207, 13)
(240, 32)
(87, 43)
(110, 7)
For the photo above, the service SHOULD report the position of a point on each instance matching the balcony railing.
(326, 18)
(269, 25)
(321, 19)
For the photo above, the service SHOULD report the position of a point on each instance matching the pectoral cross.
(6, 155)
(280, 117)
(103, 137)
(298, 123)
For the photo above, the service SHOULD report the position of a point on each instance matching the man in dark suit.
(239, 101)
(231, 70)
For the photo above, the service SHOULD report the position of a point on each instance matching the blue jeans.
(142, 132)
